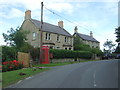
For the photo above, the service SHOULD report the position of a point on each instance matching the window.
(51, 47)
(47, 37)
(58, 47)
(96, 46)
(58, 38)
(34, 36)
(69, 48)
(65, 39)
(65, 48)
(92, 46)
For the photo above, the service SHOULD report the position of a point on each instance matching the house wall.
(59, 43)
(92, 44)
(30, 27)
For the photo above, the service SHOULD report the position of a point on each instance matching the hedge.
(70, 54)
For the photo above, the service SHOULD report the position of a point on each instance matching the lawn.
(11, 77)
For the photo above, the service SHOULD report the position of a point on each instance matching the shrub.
(83, 54)
(8, 53)
(35, 53)
(11, 65)
(97, 51)
(70, 54)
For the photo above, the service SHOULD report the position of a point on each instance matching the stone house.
(87, 39)
(54, 36)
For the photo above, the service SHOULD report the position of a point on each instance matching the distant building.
(54, 36)
(87, 39)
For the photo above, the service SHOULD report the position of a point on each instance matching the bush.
(11, 65)
(83, 54)
(97, 51)
(8, 53)
(35, 53)
(70, 54)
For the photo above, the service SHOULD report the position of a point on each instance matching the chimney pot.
(27, 14)
(60, 23)
(91, 34)
(76, 29)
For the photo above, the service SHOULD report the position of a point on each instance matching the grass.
(60, 63)
(11, 77)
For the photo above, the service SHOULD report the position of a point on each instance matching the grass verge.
(11, 77)
(60, 63)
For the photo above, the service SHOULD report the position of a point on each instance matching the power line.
(66, 19)
(76, 24)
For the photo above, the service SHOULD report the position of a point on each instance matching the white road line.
(94, 82)
(19, 81)
(28, 78)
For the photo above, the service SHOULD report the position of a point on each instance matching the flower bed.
(11, 65)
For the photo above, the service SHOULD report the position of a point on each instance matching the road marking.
(28, 78)
(94, 82)
(19, 81)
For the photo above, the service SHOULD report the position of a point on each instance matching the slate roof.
(51, 28)
(87, 37)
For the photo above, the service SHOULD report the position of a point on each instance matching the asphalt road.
(95, 74)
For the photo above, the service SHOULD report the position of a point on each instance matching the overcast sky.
(99, 16)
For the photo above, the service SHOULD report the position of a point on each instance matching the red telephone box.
(45, 55)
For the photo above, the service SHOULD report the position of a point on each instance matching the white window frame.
(34, 34)
(48, 36)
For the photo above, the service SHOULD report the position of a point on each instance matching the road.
(95, 74)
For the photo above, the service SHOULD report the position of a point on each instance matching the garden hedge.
(70, 54)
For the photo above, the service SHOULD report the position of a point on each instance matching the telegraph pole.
(41, 31)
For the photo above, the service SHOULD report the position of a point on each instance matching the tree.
(15, 37)
(8, 53)
(109, 46)
(77, 40)
(117, 32)
(117, 49)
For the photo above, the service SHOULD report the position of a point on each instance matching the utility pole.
(41, 31)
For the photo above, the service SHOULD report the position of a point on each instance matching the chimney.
(91, 34)
(76, 29)
(27, 14)
(60, 23)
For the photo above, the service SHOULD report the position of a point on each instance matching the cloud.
(12, 13)
(60, 7)
(92, 0)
